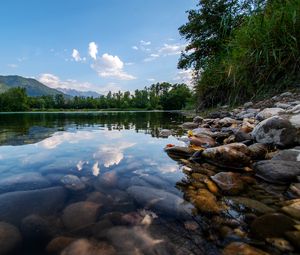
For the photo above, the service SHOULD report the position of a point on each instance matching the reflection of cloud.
(80, 165)
(112, 154)
(115, 134)
(96, 169)
(168, 168)
(60, 137)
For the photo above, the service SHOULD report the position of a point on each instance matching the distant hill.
(74, 92)
(32, 86)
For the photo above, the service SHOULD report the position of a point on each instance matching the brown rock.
(242, 249)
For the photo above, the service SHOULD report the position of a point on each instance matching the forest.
(159, 96)
(242, 49)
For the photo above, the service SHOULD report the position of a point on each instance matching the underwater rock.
(36, 229)
(271, 225)
(10, 238)
(295, 189)
(206, 202)
(252, 204)
(72, 182)
(80, 214)
(56, 245)
(86, 247)
(243, 249)
(41, 201)
(277, 171)
(281, 244)
(258, 151)
(235, 155)
(229, 182)
(276, 131)
(293, 209)
(24, 181)
(294, 238)
(159, 200)
(268, 113)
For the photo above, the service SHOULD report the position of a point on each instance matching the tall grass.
(263, 56)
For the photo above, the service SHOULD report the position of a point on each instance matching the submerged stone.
(10, 238)
(293, 209)
(72, 182)
(252, 204)
(229, 182)
(243, 249)
(56, 245)
(294, 238)
(272, 225)
(206, 202)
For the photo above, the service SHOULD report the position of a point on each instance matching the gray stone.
(282, 105)
(10, 238)
(295, 109)
(288, 155)
(275, 130)
(197, 119)
(277, 171)
(286, 94)
(252, 204)
(295, 121)
(165, 133)
(248, 104)
(159, 200)
(72, 182)
(80, 214)
(14, 206)
(268, 113)
(24, 181)
(190, 125)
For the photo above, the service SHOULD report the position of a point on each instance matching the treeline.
(159, 96)
(240, 49)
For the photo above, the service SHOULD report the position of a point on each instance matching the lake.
(102, 178)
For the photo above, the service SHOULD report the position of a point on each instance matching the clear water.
(120, 159)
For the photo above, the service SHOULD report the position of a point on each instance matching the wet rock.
(165, 133)
(258, 151)
(235, 155)
(252, 204)
(36, 229)
(202, 141)
(190, 125)
(282, 105)
(202, 131)
(56, 245)
(42, 202)
(271, 225)
(288, 155)
(295, 189)
(248, 104)
(84, 247)
(293, 209)
(10, 238)
(281, 244)
(275, 130)
(72, 182)
(24, 181)
(268, 113)
(294, 238)
(159, 200)
(227, 122)
(181, 152)
(80, 214)
(277, 171)
(198, 119)
(99, 198)
(243, 249)
(206, 202)
(229, 182)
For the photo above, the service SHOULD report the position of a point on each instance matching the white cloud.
(12, 65)
(151, 57)
(76, 55)
(93, 50)
(110, 66)
(151, 80)
(171, 49)
(135, 47)
(145, 43)
(185, 76)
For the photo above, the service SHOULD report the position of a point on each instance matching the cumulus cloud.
(171, 49)
(109, 66)
(93, 50)
(185, 76)
(76, 55)
(145, 43)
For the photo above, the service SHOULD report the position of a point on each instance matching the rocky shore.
(242, 171)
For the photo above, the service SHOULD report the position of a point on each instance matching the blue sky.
(96, 45)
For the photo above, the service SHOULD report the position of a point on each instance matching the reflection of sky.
(91, 152)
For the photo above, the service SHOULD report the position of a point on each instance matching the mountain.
(32, 86)
(74, 92)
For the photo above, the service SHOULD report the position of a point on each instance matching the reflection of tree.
(28, 128)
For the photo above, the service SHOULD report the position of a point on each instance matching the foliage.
(158, 96)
